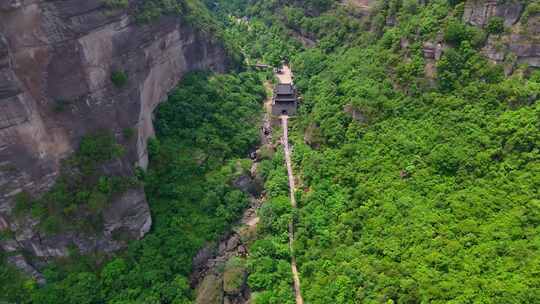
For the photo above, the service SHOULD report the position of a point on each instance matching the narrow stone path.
(285, 142)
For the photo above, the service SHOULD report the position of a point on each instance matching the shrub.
(532, 9)
(151, 10)
(410, 6)
(116, 4)
(60, 105)
(51, 225)
(98, 148)
(495, 25)
(119, 78)
(535, 76)
(456, 32)
(6, 235)
(38, 211)
(128, 133)
(454, 2)
(478, 37)
(23, 203)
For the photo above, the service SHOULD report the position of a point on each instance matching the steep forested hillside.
(204, 130)
(419, 157)
(417, 150)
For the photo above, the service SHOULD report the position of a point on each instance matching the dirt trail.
(285, 76)
(285, 142)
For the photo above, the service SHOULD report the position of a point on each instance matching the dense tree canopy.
(418, 187)
(208, 122)
(418, 178)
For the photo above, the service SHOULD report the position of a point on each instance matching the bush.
(531, 10)
(60, 105)
(23, 203)
(128, 133)
(151, 10)
(51, 225)
(495, 25)
(98, 148)
(119, 78)
(454, 2)
(478, 36)
(456, 32)
(535, 76)
(116, 4)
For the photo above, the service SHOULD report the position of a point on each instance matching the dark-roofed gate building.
(284, 101)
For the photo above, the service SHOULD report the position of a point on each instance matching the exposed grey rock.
(478, 12)
(67, 50)
(526, 44)
(210, 291)
(6, 5)
(222, 248)
(247, 184)
(233, 242)
(521, 44)
(404, 43)
(432, 50)
(4, 225)
(129, 214)
(20, 262)
(355, 114)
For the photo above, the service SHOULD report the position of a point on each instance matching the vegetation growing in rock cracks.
(208, 122)
(427, 194)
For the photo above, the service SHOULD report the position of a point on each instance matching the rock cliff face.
(478, 12)
(519, 43)
(56, 61)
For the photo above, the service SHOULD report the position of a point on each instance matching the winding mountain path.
(286, 148)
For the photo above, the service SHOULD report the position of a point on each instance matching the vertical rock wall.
(519, 43)
(56, 60)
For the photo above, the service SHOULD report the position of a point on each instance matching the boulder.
(432, 50)
(233, 242)
(234, 276)
(20, 262)
(247, 184)
(210, 290)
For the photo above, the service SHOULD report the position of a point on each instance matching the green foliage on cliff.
(116, 4)
(119, 78)
(208, 122)
(82, 192)
(495, 25)
(419, 178)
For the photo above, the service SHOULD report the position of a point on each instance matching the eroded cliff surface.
(519, 43)
(56, 61)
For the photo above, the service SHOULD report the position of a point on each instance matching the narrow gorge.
(161, 151)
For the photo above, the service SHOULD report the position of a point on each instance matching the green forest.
(191, 204)
(416, 189)
(418, 177)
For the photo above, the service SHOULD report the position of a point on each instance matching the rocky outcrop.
(519, 44)
(432, 50)
(56, 61)
(478, 12)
